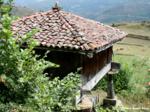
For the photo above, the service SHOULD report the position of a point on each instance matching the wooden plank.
(78, 97)
(92, 83)
(115, 67)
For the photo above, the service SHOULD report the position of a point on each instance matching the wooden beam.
(92, 83)
(115, 67)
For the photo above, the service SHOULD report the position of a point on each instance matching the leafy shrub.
(51, 96)
(114, 109)
(140, 76)
(12, 107)
(132, 77)
(121, 80)
(23, 86)
(55, 95)
(148, 92)
(19, 68)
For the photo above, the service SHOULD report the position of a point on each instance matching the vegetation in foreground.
(23, 86)
(132, 84)
(135, 51)
(139, 78)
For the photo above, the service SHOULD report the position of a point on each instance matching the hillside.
(22, 11)
(127, 12)
(100, 10)
(141, 28)
(137, 42)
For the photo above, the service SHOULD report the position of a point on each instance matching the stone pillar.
(110, 100)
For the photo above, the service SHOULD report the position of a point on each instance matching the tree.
(23, 86)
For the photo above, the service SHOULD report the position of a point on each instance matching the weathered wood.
(92, 66)
(115, 67)
(78, 97)
(68, 62)
(110, 87)
(110, 100)
(91, 84)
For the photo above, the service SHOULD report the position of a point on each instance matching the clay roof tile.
(62, 29)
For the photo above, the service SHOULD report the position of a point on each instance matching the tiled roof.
(63, 30)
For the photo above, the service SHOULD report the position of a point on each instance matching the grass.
(136, 28)
(137, 69)
(133, 46)
(138, 81)
(135, 53)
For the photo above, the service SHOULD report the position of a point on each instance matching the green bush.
(148, 91)
(140, 76)
(23, 86)
(121, 80)
(19, 68)
(50, 96)
(132, 78)
(56, 95)
(12, 107)
(114, 109)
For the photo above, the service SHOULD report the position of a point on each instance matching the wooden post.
(110, 87)
(110, 100)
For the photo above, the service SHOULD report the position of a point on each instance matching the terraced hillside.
(22, 11)
(137, 42)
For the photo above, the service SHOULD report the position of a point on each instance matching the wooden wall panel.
(91, 66)
(68, 62)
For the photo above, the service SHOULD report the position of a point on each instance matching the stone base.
(109, 102)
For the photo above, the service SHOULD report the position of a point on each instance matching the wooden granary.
(74, 42)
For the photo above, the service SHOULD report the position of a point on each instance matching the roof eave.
(108, 45)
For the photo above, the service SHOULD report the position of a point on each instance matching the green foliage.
(5, 7)
(114, 109)
(148, 91)
(49, 96)
(140, 76)
(11, 107)
(132, 78)
(102, 84)
(121, 80)
(23, 86)
(56, 95)
(19, 68)
(102, 110)
(137, 95)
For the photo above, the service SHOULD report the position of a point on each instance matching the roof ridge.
(69, 24)
(74, 28)
(87, 42)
